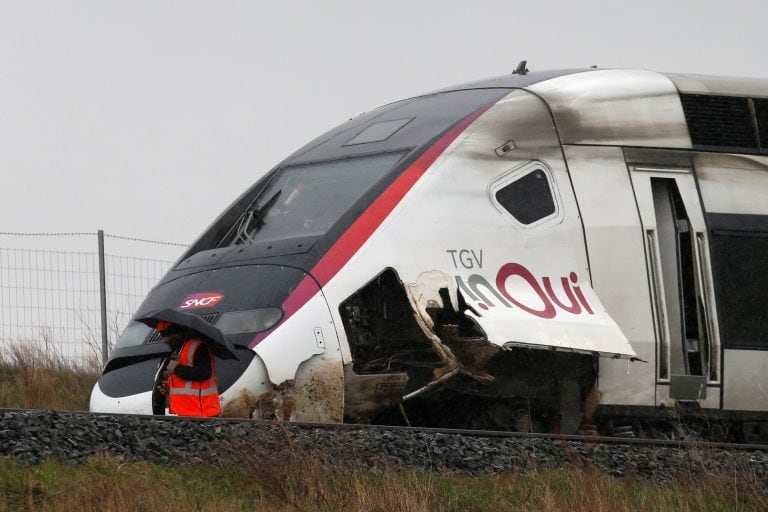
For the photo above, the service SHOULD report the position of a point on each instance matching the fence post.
(103, 297)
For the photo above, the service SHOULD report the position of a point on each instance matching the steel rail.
(636, 441)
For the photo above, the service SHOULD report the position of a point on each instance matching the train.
(558, 251)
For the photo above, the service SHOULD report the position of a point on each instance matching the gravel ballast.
(33, 436)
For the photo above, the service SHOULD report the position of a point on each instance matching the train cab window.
(379, 132)
(306, 200)
(528, 198)
(739, 245)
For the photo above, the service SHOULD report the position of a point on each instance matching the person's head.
(169, 331)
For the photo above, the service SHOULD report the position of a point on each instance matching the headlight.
(135, 333)
(251, 321)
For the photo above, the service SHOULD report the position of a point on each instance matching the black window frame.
(727, 233)
(515, 177)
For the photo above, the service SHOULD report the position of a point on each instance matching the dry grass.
(295, 482)
(324, 483)
(36, 376)
(105, 484)
(284, 478)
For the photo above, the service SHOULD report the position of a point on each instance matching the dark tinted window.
(529, 198)
(306, 200)
(718, 121)
(761, 114)
(727, 123)
(739, 247)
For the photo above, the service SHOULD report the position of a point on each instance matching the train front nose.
(243, 302)
(128, 382)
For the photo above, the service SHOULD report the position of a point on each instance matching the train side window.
(528, 198)
(739, 244)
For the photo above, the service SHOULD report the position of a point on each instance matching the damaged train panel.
(302, 367)
(452, 312)
(520, 274)
(519, 309)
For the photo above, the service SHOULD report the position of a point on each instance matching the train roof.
(610, 107)
(512, 80)
(685, 83)
(643, 108)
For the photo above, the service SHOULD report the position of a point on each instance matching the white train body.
(616, 219)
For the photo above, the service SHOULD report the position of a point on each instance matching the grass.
(105, 483)
(35, 376)
(257, 479)
(301, 482)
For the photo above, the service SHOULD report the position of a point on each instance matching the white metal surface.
(295, 341)
(719, 85)
(453, 227)
(745, 387)
(254, 380)
(616, 108)
(617, 264)
(712, 400)
(733, 183)
(132, 404)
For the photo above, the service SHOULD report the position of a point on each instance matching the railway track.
(30, 436)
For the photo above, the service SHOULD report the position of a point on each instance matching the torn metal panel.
(239, 401)
(278, 404)
(291, 343)
(440, 376)
(242, 406)
(299, 369)
(425, 294)
(518, 308)
(366, 395)
(319, 390)
(474, 351)
(316, 394)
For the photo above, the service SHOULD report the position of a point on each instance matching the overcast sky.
(147, 118)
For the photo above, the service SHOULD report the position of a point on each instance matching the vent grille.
(761, 113)
(154, 337)
(726, 123)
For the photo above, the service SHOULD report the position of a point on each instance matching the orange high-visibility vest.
(193, 398)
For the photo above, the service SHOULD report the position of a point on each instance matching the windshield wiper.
(254, 216)
(233, 234)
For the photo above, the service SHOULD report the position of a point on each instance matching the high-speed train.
(545, 251)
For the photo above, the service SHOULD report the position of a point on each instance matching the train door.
(680, 282)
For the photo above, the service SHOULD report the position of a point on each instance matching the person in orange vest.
(191, 386)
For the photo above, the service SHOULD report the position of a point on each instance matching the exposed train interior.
(496, 388)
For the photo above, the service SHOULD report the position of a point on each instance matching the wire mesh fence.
(51, 295)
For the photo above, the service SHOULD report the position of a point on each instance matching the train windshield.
(306, 200)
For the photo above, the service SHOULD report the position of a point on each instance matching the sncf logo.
(201, 300)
